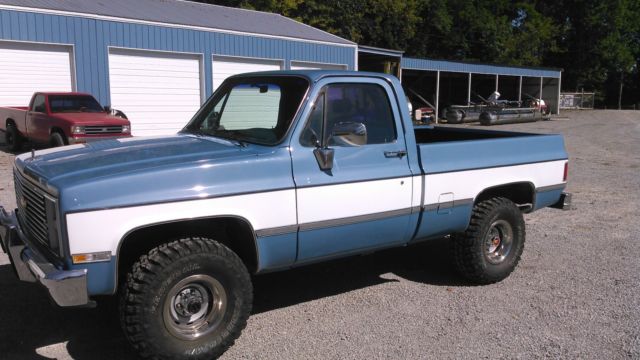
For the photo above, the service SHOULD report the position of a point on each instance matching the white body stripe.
(468, 184)
(417, 191)
(102, 230)
(354, 199)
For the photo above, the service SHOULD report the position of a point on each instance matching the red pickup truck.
(60, 119)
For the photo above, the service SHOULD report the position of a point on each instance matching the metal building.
(453, 82)
(156, 60)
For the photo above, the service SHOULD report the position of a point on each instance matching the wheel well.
(235, 233)
(522, 194)
(61, 132)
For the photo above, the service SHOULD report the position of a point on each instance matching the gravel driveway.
(575, 294)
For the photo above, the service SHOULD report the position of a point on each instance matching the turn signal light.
(566, 172)
(91, 257)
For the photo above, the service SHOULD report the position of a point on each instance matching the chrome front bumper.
(66, 287)
(85, 140)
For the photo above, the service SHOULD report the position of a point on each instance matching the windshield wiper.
(229, 135)
(196, 132)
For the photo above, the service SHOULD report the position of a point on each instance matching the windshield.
(74, 103)
(256, 110)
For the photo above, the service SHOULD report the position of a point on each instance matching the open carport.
(482, 85)
(423, 83)
(509, 87)
(448, 83)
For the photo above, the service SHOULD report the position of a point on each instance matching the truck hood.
(88, 118)
(122, 172)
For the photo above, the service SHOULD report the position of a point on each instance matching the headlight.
(77, 130)
(126, 129)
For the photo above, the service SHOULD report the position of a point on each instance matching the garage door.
(26, 68)
(299, 65)
(223, 67)
(159, 92)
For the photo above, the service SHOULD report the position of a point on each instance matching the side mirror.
(107, 108)
(349, 134)
(324, 157)
(342, 134)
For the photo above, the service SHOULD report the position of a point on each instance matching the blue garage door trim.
(91, 39)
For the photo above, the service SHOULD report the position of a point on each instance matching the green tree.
(619, 48)
(597, 44)
(532, 35)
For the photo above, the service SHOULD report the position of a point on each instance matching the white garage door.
(300, 65)
(159, 92)
(26, 68)
(223, 67)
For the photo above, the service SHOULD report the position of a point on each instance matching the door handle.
(398, 154)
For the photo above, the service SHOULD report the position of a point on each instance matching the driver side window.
(360, 103)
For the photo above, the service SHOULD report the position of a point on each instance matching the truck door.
(362, 199)
(37, 121)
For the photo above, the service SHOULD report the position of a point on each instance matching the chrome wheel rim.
(498, 242)
(194, 307)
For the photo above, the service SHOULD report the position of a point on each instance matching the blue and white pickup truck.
(277, 170)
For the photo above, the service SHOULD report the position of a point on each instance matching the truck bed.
(444, 149)
(458, 164)
(427, 135)
(15, 113)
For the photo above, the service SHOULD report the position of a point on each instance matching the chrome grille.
(32, 206)
(97, 130)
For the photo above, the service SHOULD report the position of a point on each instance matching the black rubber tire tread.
(485, 120)
(468, 251)
(13, 138)
(56, 140)
(458, 119)
(147, 275)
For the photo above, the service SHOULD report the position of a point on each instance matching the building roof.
(380, 51)
(185, 13)
(477, 68)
